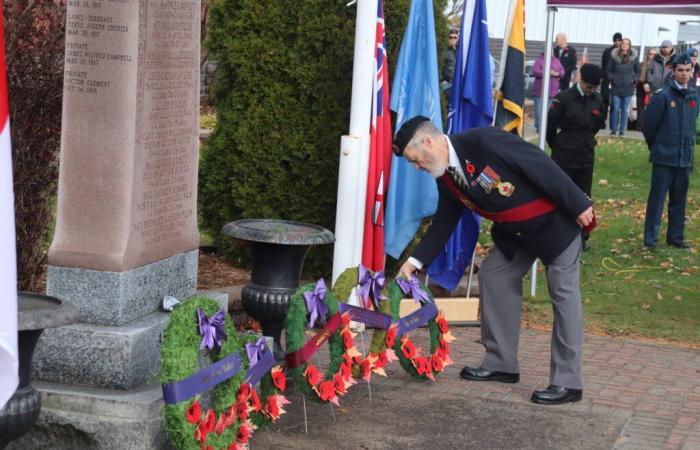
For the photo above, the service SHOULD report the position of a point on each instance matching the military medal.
(488, 179)
(506, 189)
(672, 104)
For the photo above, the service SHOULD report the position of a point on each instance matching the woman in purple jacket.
(556, 72)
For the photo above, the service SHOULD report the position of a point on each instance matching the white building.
(588, 26)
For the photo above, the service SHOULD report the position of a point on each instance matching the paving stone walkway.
(636, 396)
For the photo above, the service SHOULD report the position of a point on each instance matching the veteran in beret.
(537, 212)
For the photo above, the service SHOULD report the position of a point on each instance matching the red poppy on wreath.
(407, 347)
(391, 336)
(243, 392)
(339, 383)
(279, 379)
(194, 412)
(244, 432)
(366, 369)
(255, 400)
(596, 112)
(312, 375)
(436, 363)
(692, 103)
(347, 337)
(326, 391)
(220, 424)
(242, 410)
(209, 422)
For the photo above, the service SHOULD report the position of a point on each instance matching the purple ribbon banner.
(203, 380)
(261, 367)
(373, 319)
(416, 319)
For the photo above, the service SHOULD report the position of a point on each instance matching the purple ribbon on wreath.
(316, 303)
(413, 286)
(255, 351)
(370, 283)
(211, 329)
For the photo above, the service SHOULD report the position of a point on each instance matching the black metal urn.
(36, 312)
(278, 249)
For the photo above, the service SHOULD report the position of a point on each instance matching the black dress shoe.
(681, 244)
(481, 374)
(556, 395)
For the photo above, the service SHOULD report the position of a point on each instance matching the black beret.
(617, 37)
(406, 132)
(681, 58)
(590, 73)
(692, 52)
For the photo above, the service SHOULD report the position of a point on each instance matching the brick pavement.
(655, 387)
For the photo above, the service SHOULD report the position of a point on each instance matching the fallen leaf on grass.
(659, 296)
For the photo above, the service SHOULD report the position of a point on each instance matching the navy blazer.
(532, 174)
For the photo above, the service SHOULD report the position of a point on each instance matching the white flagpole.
(354, 147)
(9, 360)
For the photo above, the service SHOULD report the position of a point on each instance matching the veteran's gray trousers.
(501, 294)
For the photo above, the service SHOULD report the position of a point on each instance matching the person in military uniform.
(537, 212)
(669, 131)
(574, 118)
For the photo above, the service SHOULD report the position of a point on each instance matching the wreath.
(379, 354)
(421, 367)
(322, 309)
(199, 328)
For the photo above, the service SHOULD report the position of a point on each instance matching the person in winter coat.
(555, 73)
(669, 131)
(643, 93)
(660, 67)
(566, 54)
(622, 70)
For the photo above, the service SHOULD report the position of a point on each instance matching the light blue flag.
(415, 92)
(471, 106)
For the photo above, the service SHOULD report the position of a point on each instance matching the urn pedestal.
(278, 249)
(36, 312)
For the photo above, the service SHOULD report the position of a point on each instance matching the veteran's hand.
(585, 218)
(407, 270)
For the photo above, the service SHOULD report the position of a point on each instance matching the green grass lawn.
(627, 289)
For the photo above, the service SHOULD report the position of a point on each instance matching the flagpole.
(551, 12)
(354, 147)
(504, 54)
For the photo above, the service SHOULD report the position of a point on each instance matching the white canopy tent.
(676, 7)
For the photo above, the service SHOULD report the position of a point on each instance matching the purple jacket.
(538, 71)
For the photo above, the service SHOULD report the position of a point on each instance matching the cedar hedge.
(282, 92)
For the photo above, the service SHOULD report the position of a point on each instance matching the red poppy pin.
(595, 112)
(470, 168)
(692, 103)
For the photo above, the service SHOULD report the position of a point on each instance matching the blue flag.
(471, 106)
(415, 91)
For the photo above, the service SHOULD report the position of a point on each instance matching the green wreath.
(338, 377)
(421, 367)
(379, 354)
(236, 409)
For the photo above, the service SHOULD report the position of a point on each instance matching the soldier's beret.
(406, 132)
(682, 58)
(590, 73)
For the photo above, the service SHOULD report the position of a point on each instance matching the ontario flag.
(9, 363)
(380, 137)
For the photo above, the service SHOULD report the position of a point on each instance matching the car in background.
(529, 78)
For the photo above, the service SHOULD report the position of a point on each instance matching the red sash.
(526, 211)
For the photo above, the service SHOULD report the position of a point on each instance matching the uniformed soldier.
(574, 118)
(537, 212)
(669, 130)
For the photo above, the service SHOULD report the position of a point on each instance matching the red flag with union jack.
(9, 360)
(379, 154)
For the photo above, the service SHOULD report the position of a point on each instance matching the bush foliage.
(34, 42)
(282, 92)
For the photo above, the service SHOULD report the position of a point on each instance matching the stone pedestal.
(126, 229)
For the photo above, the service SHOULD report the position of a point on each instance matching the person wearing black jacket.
(537, 212)
(566, 55)
(605, 86)
(573, 120)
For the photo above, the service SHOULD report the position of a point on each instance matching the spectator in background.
(555, 73)
(566, 55)
(643, 94)
(449, 59)
(669, 131)
(605, 85)
(623, 71)
(693, 53)
(660, 67)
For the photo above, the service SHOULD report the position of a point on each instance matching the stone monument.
(126, 231)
